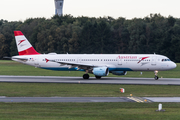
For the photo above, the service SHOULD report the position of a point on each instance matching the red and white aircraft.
(97, 64)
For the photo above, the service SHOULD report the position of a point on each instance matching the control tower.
(59, 7)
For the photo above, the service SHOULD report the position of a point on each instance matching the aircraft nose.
(173, 65)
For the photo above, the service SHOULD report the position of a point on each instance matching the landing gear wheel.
(86, 76)
(98, 77)
(156, 77)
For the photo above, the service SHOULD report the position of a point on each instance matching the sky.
(20, 10)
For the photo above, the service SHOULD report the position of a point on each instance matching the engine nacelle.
(119, 72)
(100, 71)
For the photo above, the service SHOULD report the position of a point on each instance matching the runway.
(80, 80)
(64, 99)
(87, 99)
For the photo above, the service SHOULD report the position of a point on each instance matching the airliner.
(98, 64)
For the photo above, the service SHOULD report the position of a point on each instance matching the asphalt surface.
(80, 80)
(64, 99)
(164, 99)
(87, 99)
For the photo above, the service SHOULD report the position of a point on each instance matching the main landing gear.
(86, 76)
(98, 77)
(156, 76)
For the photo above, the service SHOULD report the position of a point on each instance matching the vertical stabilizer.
(23, 45)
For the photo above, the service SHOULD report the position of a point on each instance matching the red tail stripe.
(18, 33)
(30, 51)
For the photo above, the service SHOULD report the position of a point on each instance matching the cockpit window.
(165, 60)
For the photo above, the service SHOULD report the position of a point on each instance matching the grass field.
(85, 90)
(88, 111)
(84, 111)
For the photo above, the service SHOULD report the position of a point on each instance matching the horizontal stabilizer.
(7, 58)
(17, 58)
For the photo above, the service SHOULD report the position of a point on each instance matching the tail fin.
(23, 45)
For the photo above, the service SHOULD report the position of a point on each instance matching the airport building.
(59, 7)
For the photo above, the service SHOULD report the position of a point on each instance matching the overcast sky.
(15, 10)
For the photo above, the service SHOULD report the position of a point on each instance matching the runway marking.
(139, 99)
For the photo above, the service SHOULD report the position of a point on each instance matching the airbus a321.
(98, 64)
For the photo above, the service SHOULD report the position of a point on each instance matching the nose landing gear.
(156, 76)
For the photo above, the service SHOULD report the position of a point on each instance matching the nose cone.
(173, 65)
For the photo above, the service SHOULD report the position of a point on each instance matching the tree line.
(104, 35)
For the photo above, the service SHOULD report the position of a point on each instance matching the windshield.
(166, 60)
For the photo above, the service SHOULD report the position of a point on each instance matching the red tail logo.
(21, 41)
(143, 58)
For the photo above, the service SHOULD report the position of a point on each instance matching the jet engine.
(119, 72)
(100, 71)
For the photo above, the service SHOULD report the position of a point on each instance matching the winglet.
(23, 45)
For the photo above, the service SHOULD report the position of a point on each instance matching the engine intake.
(100, 71)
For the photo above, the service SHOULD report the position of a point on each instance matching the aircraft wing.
(79, 65)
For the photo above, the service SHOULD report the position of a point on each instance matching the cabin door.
(79, 60)
(36, 61)
(153, 60)
(120, 61)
